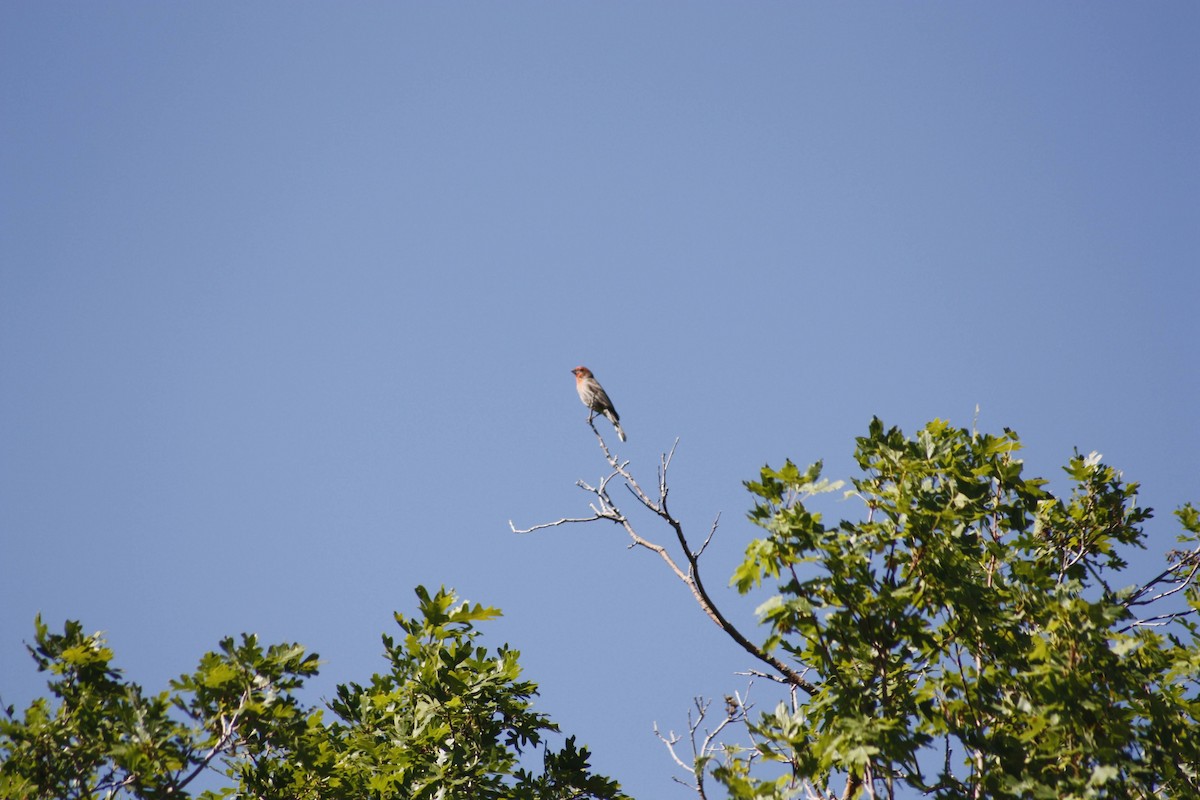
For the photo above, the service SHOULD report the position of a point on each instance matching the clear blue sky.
(289, 296)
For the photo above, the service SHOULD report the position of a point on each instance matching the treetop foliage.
(970, 636)
(451, 719)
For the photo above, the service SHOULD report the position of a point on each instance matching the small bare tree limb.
(555, 524)
(705, 747)
(1180, 560)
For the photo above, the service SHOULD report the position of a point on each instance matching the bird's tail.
(616, 424)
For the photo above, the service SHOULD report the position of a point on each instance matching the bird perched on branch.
(595, 398)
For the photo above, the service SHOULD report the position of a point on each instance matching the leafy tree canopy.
(972, 635)
(450, 720)
(969, 635)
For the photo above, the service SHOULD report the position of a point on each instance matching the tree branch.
(1182, 559)
(691, 576)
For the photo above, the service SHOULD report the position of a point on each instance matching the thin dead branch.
(689, 571)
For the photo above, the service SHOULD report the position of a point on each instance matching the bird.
(592, 395)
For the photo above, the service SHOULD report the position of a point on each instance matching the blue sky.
(289, 296)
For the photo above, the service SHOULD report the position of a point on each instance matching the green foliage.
(966, 636)
(450, 720)
(105, 737)
(969, 636)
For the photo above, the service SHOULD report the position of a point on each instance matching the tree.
(969, 636)
(450, 720)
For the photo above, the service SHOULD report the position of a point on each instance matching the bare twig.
(711, 531)
(1159, 620)
(705, 747)
(768, 675)
(555, 524)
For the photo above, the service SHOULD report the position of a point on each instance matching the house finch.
(595, 398)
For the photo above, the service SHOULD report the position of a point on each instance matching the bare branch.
(555, 524)
(711, 532)
(768, 675)
(1181, 559)
(670, 741)
(691, 576)
(706, 747)
(1160, 620)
